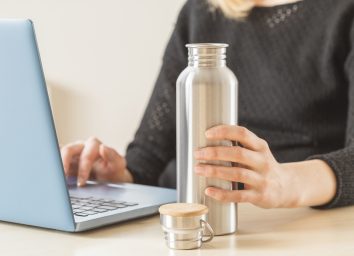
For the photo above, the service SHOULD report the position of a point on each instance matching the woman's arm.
(268, 184)
(154, 144)
(313, 181)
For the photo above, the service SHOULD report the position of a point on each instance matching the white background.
(100, 58)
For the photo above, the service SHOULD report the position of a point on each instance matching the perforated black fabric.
(295, 66)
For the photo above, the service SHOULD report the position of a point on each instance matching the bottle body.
(206, 97)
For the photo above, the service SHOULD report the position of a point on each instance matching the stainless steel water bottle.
(207, 95)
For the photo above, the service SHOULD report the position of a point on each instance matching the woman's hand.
(268, 184)
(94, 159)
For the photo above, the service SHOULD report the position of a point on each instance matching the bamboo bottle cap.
(183, 210)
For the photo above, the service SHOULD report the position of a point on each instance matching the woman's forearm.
(311, 182)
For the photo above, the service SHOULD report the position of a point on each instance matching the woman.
(295, 64)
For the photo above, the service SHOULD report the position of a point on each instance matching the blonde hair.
(235, 9)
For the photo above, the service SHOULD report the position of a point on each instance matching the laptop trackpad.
(120, 192)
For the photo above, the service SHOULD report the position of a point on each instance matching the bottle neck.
(206, 55)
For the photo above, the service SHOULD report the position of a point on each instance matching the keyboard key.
(86, 207)
(107, 207)
(89, 212)
(81, 214)
(100, 210)
(110, 204)
(118, 202)
(79, 210)
(106, 200)
(130, 204)
(84, 201)
(94, 202)
(78, 203)
(120, 205)
(91, 205)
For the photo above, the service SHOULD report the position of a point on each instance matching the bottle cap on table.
(185, 226)
(183, 210)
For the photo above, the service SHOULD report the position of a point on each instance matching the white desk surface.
(261, 232)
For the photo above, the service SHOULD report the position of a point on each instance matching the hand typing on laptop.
(42, 197)
(92, 158)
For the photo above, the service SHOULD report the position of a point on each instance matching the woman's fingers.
(238, 196)
(69, 153)
(236, 174)
(236, 154)
(92, 159)
(237, 133)
(114, 160)
(88, 157)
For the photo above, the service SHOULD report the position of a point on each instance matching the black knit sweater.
(295, 66)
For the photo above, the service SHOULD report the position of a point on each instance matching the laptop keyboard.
(85, 206)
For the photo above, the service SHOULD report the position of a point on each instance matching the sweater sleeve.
(342, 160)
(154, 143)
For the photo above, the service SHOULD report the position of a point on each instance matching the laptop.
(34, 190)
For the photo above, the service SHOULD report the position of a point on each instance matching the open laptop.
(34, 190)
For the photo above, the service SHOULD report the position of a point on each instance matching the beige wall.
(100, 59)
